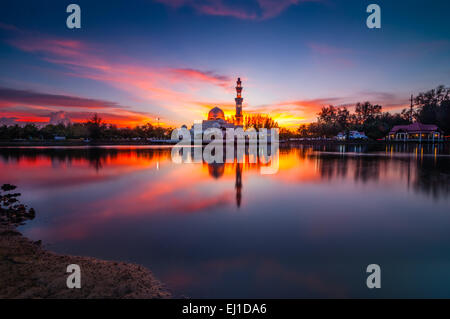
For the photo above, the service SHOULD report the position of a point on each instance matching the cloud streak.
(169, 89)
(11, 97)
(43, 115)
(245, 10)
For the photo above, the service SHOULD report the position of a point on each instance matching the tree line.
(94, 128)
(431, 107)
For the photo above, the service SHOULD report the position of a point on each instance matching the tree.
(285, 133)
(366, 111)
(258, 121)
(343, 118)
(30, 131)
(367, 117)
(327, 115)
(303, 131)
(328, 121)
(407, 114)
(433, 107)
(95, 126)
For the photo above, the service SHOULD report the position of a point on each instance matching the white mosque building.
(216, 116)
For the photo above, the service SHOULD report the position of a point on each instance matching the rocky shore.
(29, 271)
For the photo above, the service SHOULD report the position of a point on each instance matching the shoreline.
(34, 272)
(80, 143)
(50, 143)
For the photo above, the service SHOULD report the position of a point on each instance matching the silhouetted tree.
(95, 126)
(433, 107)
(258, 121)
(366, 111)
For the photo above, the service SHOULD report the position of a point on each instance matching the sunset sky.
(175, 59)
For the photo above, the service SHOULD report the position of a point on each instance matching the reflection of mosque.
(217, 170)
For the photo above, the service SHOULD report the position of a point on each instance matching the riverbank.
(71, 143)
(37, 143)
(30, 271)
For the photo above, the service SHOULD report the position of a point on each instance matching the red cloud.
(169, 88)
(206, 76)
(292, 113)
(40, 114)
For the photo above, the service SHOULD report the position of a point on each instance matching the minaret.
(239, 99)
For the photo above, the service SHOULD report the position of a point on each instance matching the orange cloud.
(206, 76)
(169, 90)
(170, 94)
(38, 114)
(292, 113)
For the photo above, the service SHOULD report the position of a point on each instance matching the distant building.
(352, 135)
(416, 132)
(60, 138)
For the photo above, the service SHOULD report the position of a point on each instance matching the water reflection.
(216, 170)
(428, 173)
(422, 168)
(225, 230)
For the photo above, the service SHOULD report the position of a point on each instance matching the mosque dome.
(216, 114)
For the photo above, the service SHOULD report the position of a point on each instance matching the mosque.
(216, 117)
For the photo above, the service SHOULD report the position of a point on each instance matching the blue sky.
(133, 61)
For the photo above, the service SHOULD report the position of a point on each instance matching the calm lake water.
(226, 231)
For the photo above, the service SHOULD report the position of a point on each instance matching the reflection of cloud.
(177, 191)
(208, 273)
(271, 269)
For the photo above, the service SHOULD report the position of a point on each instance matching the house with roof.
(416, 132)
